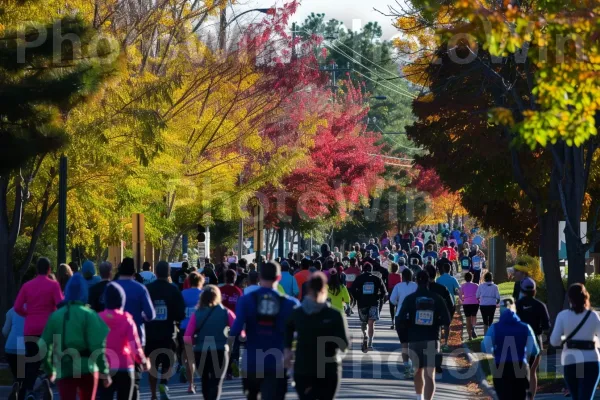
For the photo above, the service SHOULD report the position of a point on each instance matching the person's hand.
(288, 355)
(107, 381)
(146, 365)
(52, 378)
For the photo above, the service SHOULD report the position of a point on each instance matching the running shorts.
(470, 310)
(369, 313)
(423, 354)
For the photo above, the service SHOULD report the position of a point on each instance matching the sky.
(344, 10)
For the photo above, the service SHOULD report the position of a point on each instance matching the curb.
(480, 375)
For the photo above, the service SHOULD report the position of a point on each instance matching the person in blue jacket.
(512, 343)
(264, 313)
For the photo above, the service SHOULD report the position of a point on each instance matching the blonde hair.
(210, 297)
(63, 274)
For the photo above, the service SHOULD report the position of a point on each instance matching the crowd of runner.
(94, 335)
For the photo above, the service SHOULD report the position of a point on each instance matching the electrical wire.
(372, 62)
(382, 85)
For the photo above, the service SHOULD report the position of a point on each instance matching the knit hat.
(76, 289)
(88, 269)
(114, 297)
(127, 267)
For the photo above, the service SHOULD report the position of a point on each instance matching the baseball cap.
(528, 285)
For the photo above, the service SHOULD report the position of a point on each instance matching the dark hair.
(269, 271)
(252, 278)
(446, 267)
(488, 277)
(184, 266)
(242, 263)
(446, 243)
(422, 278)
(163, 270)
(305, 263)
(230, 276)
(394, 267)
(367, 267)
(407, 275)
(146, 266)
(578, 297)
(430, 269)
(42, 266)
(317, 265)
(196, 280)
(317, 282)
(74, 266)
(335, 285)
(469, 277)
(127, 267)
(353, 262)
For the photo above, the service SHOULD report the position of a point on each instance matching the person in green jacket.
(75, 337)
(322, 334)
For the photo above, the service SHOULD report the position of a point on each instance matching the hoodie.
(123, 341)
(88, 270)
(510, 340)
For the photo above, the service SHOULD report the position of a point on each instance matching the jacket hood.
(310, 306)
(88, 269)
(76, 289)
(509, 317)
(114, 297)
(325, 250)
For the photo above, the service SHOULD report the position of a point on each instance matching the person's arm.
(148, 308)
(444, 313)
(395, 296)
(345, 295)
(21, 301)
(557, 332)
(545, 320)
(135, 343)
(497, 293)
(478, 292)
(532, 347)
(342, 332)
(295, 289)
(96, 332)
(290, 329)
(58, 294)
(240, 318)
(188, 336)
(7, 323)
(179, 307)
(487, 344)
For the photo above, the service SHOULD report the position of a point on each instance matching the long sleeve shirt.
(566, 322)
(123, 342)
(138, 304)
(36, 300)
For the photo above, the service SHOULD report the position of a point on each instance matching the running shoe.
(191, 389)
(393, 327)
(364, 347)
(164, 392)
(474, 334)
(407, 373)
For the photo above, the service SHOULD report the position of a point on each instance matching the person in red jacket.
(36, 300)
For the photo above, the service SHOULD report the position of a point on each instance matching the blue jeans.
(582, 379)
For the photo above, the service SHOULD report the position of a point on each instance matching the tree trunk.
(174, 246)
(574, 191)
(548, 224)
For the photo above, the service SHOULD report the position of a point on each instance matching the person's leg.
(589, 383)
(88, 386)
(469, 322)
(251, 385)
(109, 392)
(32, 367)
(274, 386)
(167, 359)
(136, 382)
(219, 370)
(305, 387)
(371, 332)
(429, 389)
(533, 375)
(203, 370)
(393, 314)
(67, 388)
(419, 382)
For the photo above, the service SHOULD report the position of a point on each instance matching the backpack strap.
(574, 332)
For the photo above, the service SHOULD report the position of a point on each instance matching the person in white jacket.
(489, 298)
(399, 293)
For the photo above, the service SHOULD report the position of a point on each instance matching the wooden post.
(115, 254)
(139, 240)
(149, 254)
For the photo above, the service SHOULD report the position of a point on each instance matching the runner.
(14, 349)
(415, 254)
(534, 313)
(477, 265)
(264, 313)
(88, 270)
(369, 291)
(191, 297)
(453, 287)
(512, 343)
(230, 295)
(206, 331)
(372, 249)
(400, 292)
(96, 292)
(443, 292)
(468, 296)
(352, 272)
(288, 282)
(316, 377)
(63, 274)
(123, 343)
(393, 279)
(431, 253)
(161, 341)
(36, 300)
(138, 305)
(147, 274)
(302, 275)
(467, 265)
(489, 297)
(439, 265)
(421, 315)
(338, 293)
(179, 274)
(76, 328)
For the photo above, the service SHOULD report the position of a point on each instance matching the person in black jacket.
(422, 313)
(317, 374)
(443, 292)
(161, 342)
(534, 313)
(96, 292)
(369, 291)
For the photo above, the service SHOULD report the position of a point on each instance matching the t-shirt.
(36, 300)
(465, 263)
(351, 274)
(451, 284)
(138, 304)
(469, 293)
(148, 277)
(169, 307)
(534, 313)
(338, 300)
(393, 280)
(191, 297)
(301, 277)
(477, 263)
(230, 295)
(400, 292)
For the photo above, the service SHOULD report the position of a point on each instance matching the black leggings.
(122, 384)
(313, 388)
(487, 314)
(13, 362)
(32, 368)
(212, 366)
(392, 311)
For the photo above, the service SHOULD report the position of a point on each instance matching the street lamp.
(260, 10)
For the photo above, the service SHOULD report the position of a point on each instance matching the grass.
(506, 288)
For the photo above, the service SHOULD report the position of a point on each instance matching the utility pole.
(62, 210)
(223, 29)
(334, 70)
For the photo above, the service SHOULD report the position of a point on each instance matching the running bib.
(465, 262)
(161, 310)
(424, 317)
(350, 277)
(369, 288)
(189, 311)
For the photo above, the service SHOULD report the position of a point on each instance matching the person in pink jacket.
(123, 345)
(36, 300)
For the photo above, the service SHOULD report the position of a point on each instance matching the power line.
(372, 62)
(382, 85)
(392, 158)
